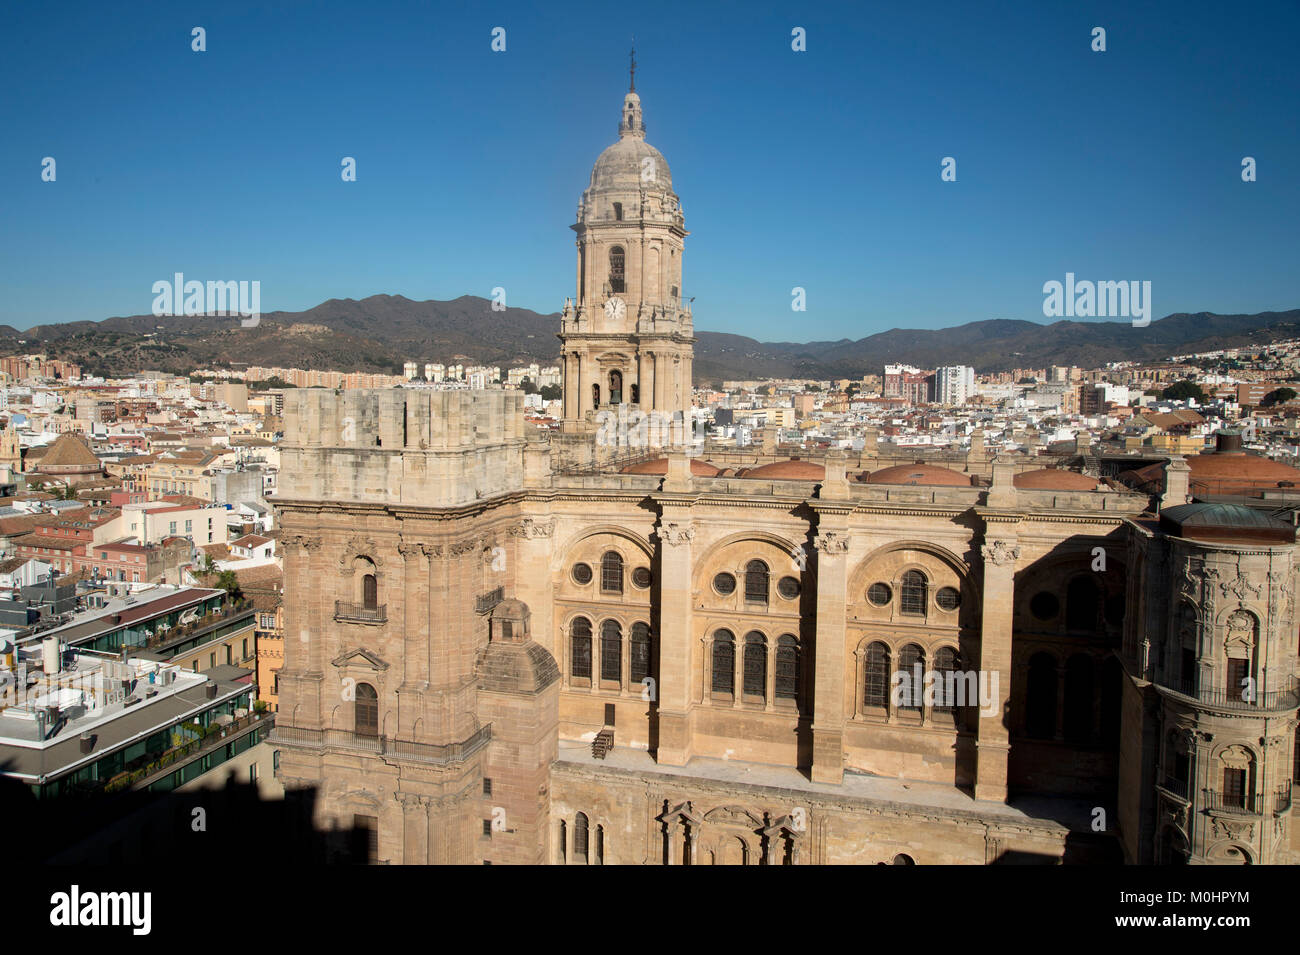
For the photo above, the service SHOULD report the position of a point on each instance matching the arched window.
(724, 661)
(580, 638)
(1078, 698)
(580, 827)
(564, 842)
(615, 387)
(611, 572)
(875, 688)
(639, 653)
(787, 668)
(947, 663)
(1081, 605)
(616, 278)
(911, 662)
(755, 665)
(369, 592)
(1040, 697)
(912, 593)
(366, 709)
(611, 651)
(756, 580)
(600, 845)
(595, 395)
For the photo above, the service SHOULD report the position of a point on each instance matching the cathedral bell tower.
(628, 337)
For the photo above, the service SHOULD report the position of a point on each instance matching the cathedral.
(508, 646)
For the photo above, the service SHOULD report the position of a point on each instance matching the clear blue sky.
(818, 169)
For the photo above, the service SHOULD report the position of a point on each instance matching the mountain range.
(379, 333)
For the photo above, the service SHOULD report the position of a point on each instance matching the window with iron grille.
(611, 573)
(1234, 787)
(611, 651)
(582, 573)
(875, 689)
(639, 653)
(911, 661)
(724, 584)
(879, 594)
(756, 582)
(641, 577)
(787, 668)
(788, 588)
(755, 668)
(580, 827)
(1238, 671)
(724, 662)
(912, 593)
(948, 598)
(616, 282)
(946, 664)
(366, 707)
(580, 631)
(487, 828)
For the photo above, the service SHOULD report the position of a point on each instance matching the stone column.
(829, 649)
(993, 746)
(415, 828)
(415, 636)
(675, 626)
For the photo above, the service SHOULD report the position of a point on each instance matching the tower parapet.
(401, 446)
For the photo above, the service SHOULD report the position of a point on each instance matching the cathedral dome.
(623, 167)
(916, 474)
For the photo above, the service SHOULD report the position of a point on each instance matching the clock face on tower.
(615, 309)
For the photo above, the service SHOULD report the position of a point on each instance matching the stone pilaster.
(829, 651)
(676, 639)
(999, 555)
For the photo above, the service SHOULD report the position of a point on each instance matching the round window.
(582, 573)
(948, 598)
(724, 584)
(788, 588)
(879, 594)
(1044, 605)
(641, 577)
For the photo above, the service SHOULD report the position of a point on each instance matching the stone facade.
(494, 656)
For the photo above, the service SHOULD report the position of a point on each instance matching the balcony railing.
(148, 767)
(382, 745)
(1174, 785)
(1244, 803)
(360, 613)
(1282, 799)
(485, 602)
(1286, 699)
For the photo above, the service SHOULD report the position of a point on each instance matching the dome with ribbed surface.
(623, 167)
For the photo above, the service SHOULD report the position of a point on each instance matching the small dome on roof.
(660, 466)
(792, 470)
(924, 474)
(1054, 479)
(1226, 522)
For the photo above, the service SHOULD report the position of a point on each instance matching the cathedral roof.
(1226, 522)
(660, 466)
(917, 474)
(792, 470)
(1054, 479)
